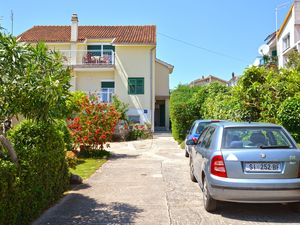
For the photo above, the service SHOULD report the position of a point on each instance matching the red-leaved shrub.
(94, 125)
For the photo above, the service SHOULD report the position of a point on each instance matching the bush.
(183, 110)
(68, 140)
(94, 125)
(41, 177)
(139, 131)
(289, 116)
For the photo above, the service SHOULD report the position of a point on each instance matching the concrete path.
(147, 182)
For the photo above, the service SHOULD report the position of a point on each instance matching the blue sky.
(233, 28)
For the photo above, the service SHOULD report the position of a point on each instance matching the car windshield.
(255, 137)
(198, 129)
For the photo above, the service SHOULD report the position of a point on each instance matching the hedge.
(261, 95)
(41, 177)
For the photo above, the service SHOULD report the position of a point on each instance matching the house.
(233, 81)
(280, 43)
(113, 60)
(207, 80)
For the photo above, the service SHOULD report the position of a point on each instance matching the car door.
(197, 156)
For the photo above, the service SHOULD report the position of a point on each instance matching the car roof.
(205, 121)
(245, 124)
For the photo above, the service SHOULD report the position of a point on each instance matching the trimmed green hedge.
(261, 95)
(289, 115)
(39, 180)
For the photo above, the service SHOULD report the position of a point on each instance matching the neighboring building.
(207, 80)
(286, 39)
(233, 81)
(109, 60)
(288, 35)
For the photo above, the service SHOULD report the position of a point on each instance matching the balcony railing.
(88, 57)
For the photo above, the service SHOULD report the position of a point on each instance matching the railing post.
(112, 57)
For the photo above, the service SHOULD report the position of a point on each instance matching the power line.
(203, 48)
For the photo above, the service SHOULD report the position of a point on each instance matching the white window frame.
(286, 42)
(108, 91)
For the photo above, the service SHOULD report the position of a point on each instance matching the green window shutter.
(274, 53)
(136, 86)
(107, 84)
(94, 47)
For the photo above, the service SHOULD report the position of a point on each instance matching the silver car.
(246, 162)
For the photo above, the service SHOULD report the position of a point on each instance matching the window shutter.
(107, 84)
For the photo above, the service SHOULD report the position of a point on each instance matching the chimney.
(202, 77)
(232, 75)
(74, 28)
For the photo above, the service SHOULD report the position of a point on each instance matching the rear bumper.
(254, 190)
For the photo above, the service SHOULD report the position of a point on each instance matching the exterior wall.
(161, 80)
(288, 29)
(134, 61)
(130, 61)
(90, 81)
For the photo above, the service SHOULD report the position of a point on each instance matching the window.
(136, 86)
(207, 139)
(107, 91)
(134, 119)
(286, 42)
(255, 137)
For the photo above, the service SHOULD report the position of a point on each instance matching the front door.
(160, 119)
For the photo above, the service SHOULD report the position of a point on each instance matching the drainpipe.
(151, 88)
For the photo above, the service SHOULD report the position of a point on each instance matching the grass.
(182, 145)
(87, 166)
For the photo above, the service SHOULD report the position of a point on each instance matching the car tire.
(192, 176)
(186, 153)
(209, 203)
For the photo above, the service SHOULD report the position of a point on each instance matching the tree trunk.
(8, 146)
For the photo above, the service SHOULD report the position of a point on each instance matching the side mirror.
(190, 142)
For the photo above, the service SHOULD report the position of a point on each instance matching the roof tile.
(122, 34)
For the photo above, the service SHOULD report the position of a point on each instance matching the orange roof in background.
(122, 34)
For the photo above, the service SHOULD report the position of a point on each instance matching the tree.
(33, 81)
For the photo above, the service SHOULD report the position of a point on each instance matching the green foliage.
(68, 140)
(39, 180)
(263, 94)
(121, 107)
(73, 103)
(138, 131)
(289, 116)
(183, 111)
(293, 61)
(33, 81)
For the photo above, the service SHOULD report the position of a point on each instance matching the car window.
(200, 127)
(255, 137)
(192, 128)
(207, 139)
(202, 136)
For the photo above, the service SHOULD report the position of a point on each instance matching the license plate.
(262, 167)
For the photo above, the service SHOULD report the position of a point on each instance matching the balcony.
(88, 58)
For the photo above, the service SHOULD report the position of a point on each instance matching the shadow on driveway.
(82, 210)
(272, 213)
(116, 156)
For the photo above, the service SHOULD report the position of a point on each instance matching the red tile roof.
(122, 34)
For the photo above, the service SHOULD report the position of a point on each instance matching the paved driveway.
(147, 182)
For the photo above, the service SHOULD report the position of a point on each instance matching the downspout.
(151, 89)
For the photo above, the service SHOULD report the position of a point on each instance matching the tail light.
(218, 166)
(194, 139)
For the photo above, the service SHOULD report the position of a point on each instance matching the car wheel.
(210, 204)
(186, 153)
(192, 176)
